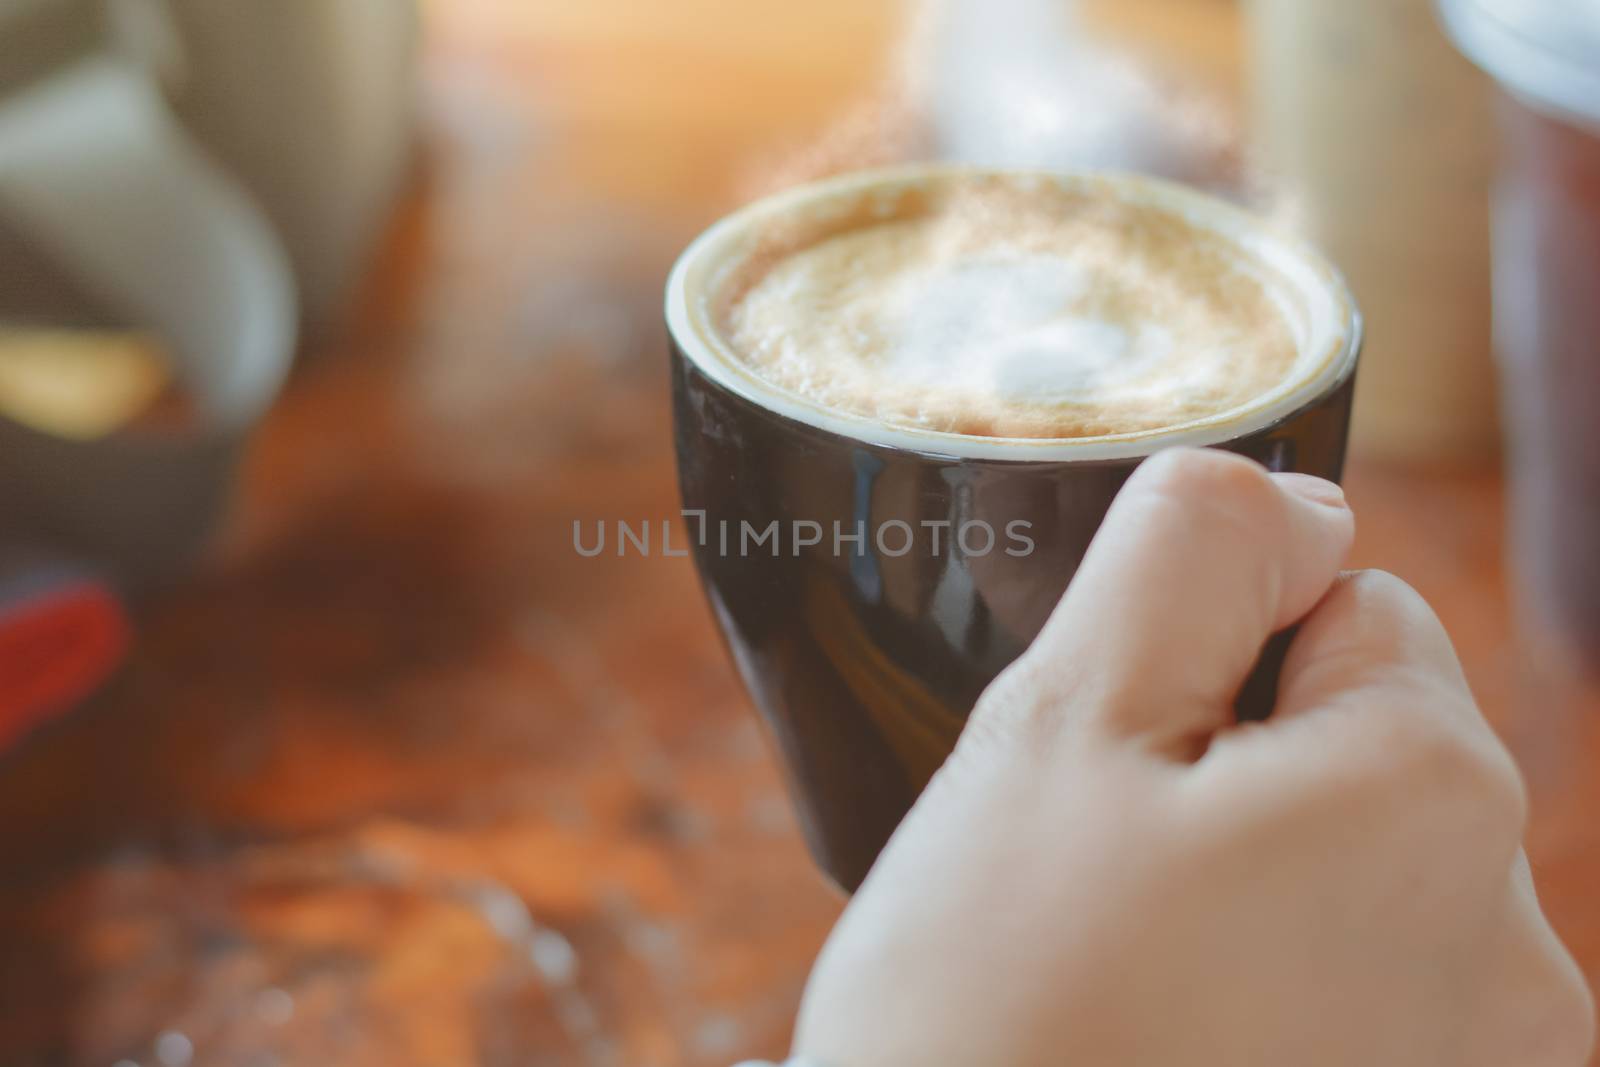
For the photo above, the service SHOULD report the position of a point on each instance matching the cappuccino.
(870, 355)
(1011, 306)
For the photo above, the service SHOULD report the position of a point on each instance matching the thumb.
(1202, 557)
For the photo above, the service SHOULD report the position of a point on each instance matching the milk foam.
(1014, 313)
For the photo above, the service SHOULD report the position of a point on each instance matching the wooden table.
(399, 779)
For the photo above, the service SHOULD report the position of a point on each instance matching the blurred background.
(323, 321)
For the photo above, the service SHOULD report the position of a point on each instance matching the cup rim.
(1333, 341)
(1549, 62)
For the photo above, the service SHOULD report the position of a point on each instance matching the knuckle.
(1381, 590)
(1391, 602)
(1031, 708)
(1205, 473)
(1564, 1033)
(1381, 594)
(1580, 1030)
(1576, 1029)
(1216, 483)
(1432, 752)
(1011, 710)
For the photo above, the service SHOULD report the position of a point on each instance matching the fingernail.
(1317, 490)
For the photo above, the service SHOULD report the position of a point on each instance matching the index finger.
(1201, 558)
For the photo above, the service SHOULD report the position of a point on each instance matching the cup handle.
(98, 175)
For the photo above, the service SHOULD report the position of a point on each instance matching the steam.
(1022, 83)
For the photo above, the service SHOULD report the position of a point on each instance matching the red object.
(58, 644)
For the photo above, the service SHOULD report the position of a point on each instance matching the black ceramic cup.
(870, 580)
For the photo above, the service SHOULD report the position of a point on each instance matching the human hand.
(1110, 871)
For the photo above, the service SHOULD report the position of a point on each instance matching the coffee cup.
(904, 401)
